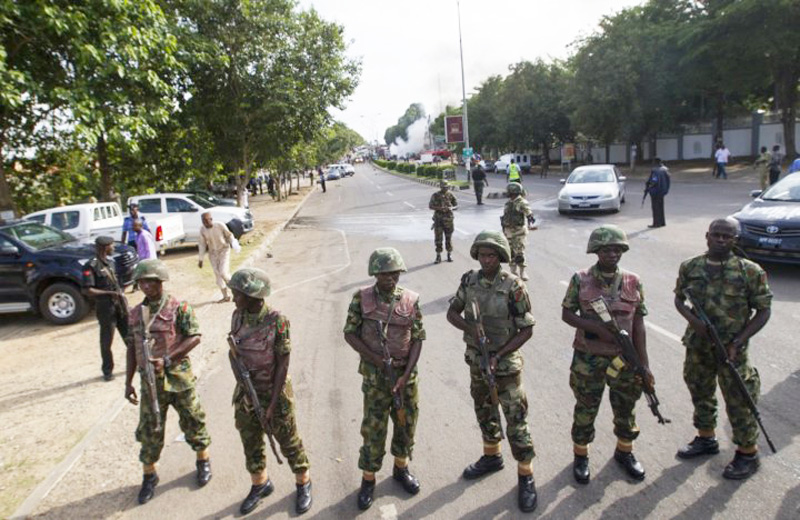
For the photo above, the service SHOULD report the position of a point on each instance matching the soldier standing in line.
(171, 328)
(596, 352)
(505, 310)
(516, 215)
(261, 336)
(443, 203)
(100, 282)
(479, 181)
(735, 295)
(386, 319)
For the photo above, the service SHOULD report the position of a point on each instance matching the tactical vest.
(512, 216)
(256, 348)
(375, 312)
(495, 314)
(163, 330)
(622, 301)
(513, 173)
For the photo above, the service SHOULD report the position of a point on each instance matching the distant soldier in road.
(479, 181)
(516, 215)
(217, 239)
(735, 295)
(261, 337)
(493, 356)
(384, 325)
(100, 282)
(596, 352)
(443, 203)
(170, 331)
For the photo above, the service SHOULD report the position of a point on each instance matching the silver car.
(596, 187)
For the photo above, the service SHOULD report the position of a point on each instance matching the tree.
(485, 120)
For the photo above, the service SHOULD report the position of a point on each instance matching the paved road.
(320, 260)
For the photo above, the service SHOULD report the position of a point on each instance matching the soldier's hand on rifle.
(158, 365)
(700, 329)
(733, 348)
(130, 394)
(604, 334)
(400, 385)
(269, 413)
(651, 381)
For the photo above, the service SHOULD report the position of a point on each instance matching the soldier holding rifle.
(443, 203)
(497, 321)
(384, 325)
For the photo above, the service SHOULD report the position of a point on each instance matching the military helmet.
(442, 183)
(493, 239)
(252, 282)
(151, 269)
(385, 260)
(515, 188)
(607, 235)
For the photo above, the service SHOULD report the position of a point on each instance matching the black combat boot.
(203, 472)
(404, 477)
(486, 464)
(365, 494)
(580, 469)
(149, 483)
(449, 258)
(527, 493)
(742, 466)
(630, 464)
(303, 499)
(699, 446)
(254, 497)
(438, 259)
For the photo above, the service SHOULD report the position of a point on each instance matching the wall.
(738, 141)
(697, 146)
(667, 148)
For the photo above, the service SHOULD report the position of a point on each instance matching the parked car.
(348, 170)
(213, 199)
(596, 187)
(769, 226)
(190, 207)
(333, 174)
(488, 165)
(41, 270)
(501, 166)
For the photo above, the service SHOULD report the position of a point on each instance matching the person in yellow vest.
(513, 172)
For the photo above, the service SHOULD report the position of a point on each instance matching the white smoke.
(416, 140)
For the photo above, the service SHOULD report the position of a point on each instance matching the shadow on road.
(102, 505)
(25, 398)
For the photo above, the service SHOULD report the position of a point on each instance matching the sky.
(409, 49)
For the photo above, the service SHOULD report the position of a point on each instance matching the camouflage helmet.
(251, 282)
(493, 239)
(442, 183)
(151, 269)
(607, 235)
(385, 260)
(515, 188)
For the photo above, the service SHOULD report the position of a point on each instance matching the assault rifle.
(148, 372)
(397, 397)
(485, 365)
(629, 355)
(722, 356)
(242, 376)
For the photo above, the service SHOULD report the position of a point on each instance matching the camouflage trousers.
(478, 186)
(701, 371)
(517, 241)
(191, 419)
(514, 403)
(284, 429)
(588, 380)
(443, 228)
(378, 407)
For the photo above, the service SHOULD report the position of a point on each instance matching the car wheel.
(62, 304)
(562, 212)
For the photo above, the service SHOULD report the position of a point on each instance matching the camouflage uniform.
(591, 357)
(176, 385)
(515, 228)
(728, 298)
(505, 308)
(443, 219)
(375, 386)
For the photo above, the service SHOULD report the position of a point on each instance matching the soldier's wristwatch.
(167, 362)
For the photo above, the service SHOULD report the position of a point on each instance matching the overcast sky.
(409, 49)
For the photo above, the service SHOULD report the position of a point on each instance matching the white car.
(597, 187)
(501, 166)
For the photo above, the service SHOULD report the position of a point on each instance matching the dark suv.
(41, 269)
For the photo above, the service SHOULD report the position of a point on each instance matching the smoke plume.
(416, 140)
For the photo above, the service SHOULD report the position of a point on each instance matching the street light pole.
(463, 84)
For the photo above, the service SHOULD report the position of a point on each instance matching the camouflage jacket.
(440, 199)
(516, 212)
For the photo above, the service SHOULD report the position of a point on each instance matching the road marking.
(389, 193)
(409, 205)
(389, 512)
(328, 273)
(664, 332)
(564, 283)
(461, 231)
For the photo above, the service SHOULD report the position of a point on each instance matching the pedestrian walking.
(384, 325)
(657, 186)
(722, 156)
(145, 245)
(735, 295)
(545, 164)
(261, 347)
(775, 164)
(761, 165)
(596, 354)
(443, 203)
(516, 216)
(479, 181)
(321, 179)
(170, 330)
(127, 224)
(100, 282)
(496, 322)
(217, 239)
(513, 172)
(271, 185)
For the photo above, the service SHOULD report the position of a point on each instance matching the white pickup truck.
(88, 221)
(190, 207)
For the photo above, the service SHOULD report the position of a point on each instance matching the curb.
(434, 183)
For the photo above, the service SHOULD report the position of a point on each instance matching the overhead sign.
(467, 152)
(454, 129)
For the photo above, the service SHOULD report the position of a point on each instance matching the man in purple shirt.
(145, 245)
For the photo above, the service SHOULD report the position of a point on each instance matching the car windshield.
(787, 189)
(200, 200)
(38, 236)
(591, 175)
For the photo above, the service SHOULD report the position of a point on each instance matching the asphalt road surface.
(321, 259)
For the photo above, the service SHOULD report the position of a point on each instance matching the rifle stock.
(391, 375)
(485, 364)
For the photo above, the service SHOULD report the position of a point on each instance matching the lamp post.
(463, 86)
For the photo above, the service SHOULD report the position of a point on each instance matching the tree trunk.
(6, 202)
(719, 121)
(105, 168)
(786, 101)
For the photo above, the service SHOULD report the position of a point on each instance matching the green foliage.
(391, 165)
(412, 113)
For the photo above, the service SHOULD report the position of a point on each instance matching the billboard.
(568, 152)
(454, 129)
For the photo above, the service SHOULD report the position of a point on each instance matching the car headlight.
(607, 196)
(563, 196)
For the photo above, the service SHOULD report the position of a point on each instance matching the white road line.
(564, 283)
(389, 193)
(389, 512)
(664, 332)
(461, 231)
(409, 205)
(328, 273)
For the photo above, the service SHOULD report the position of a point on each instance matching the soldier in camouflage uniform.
(735, 295)
(515, 226)
(505, 310)
(595, 360)
(263, 346)
(443, 203)
(174, 330)
(386, 315)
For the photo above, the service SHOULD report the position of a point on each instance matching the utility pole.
(463, 84)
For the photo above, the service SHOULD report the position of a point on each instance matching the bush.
(391, 165)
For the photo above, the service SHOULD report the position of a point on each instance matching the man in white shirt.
(217, 239)
(722, 156)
